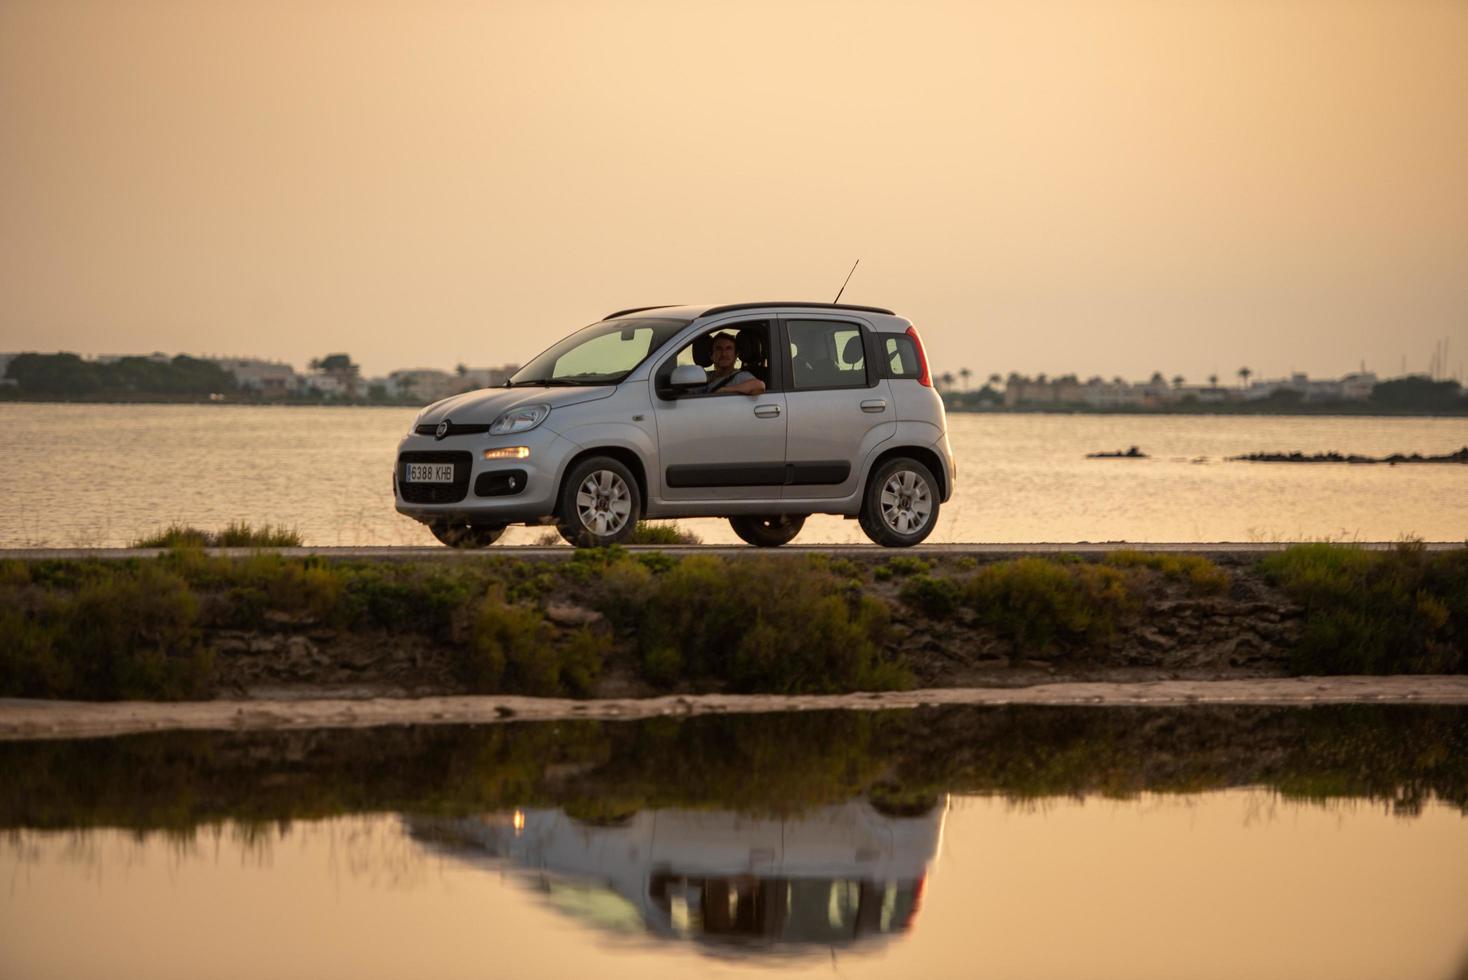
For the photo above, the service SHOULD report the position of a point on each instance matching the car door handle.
(874, 405)
(767, 411)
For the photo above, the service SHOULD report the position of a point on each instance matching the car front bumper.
(512, 490)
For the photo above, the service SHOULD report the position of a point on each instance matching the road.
(1236, 550)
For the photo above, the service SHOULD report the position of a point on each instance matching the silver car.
(633, 417)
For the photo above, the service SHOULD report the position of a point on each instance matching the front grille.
(455, 429)
(435, 493)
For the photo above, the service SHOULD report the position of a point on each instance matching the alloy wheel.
(603, 502)
(906, 502)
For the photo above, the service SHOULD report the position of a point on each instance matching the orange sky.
(1101, 187)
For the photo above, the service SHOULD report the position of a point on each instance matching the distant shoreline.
(1323, 411)
(1334, 410)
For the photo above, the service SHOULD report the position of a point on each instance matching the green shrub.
(1035, 602)
(1201, 575)
(753, 624)
(237, 534)
(938, 597)
(129, 634)
(1376, 612)
(513, 651)
(905, 565)
(647, 532)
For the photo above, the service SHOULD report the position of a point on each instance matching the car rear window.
(901, 356)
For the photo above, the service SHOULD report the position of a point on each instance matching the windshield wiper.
(544, 383)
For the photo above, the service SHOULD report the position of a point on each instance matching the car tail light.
(926, 378)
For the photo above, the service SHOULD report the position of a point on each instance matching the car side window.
(826, 354)
(751, 344)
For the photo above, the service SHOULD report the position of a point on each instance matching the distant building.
(270, 378)
(5, 360)
(158, 357)
(472, 379)
(320, 383)
(1353, 387)
(1357, 387)
(422, 384)
(1067, 390)
(1118, 393)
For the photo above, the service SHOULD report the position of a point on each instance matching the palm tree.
(965, 374)
(1177, 380)
(946, 379)
(996, 379)
(1213, 381)
(1244, 376)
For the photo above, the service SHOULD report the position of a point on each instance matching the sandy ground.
(27, 719)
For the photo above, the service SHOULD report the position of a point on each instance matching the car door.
(720, 447)
(837, 401)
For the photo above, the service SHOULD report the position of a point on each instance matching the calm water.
(101, 475)
(1207, 842)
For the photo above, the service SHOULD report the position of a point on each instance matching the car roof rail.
(639, 309)
(801, 305)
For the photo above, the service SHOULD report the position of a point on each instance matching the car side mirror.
(684, 379)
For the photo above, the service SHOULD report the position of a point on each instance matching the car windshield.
(601, 354)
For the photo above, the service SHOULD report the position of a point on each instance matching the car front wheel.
(767, 531)
(600, 503)
(901, 504)
(461, 534)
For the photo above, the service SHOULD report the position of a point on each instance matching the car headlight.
(520, 419)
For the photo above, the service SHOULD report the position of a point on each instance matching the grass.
(1057, 603)
(756, 624)
(130, 635)
(1202, 577)
(647, 532)
(141, 627)
(237, 534)
(1376, 612)
(1035, 602)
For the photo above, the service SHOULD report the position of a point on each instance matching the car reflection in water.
(839, 876)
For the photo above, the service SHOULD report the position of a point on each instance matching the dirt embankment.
(185, 625)
(1170, 633)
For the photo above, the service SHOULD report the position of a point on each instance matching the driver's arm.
(751, 387)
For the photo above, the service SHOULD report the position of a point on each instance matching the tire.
(462, 534)
(900, 507)
(600, 503)
(769, 530)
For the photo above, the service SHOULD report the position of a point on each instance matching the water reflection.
(901, 763)
(1229, 883)
(836, 876)
(1201, 842)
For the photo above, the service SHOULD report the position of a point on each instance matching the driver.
(724, 379)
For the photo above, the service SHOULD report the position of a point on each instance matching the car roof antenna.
(843, 285)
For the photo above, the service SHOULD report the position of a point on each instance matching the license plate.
(430, 472)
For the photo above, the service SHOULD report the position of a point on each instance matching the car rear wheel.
(600, 503)
(767, 531)
(901, 504)
(462, 534)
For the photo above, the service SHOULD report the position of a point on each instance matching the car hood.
(487, 404)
